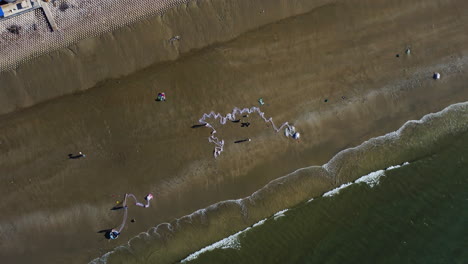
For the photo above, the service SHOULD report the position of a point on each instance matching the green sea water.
(417, 213)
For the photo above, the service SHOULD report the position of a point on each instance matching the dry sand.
(52, 207)
(76, 20)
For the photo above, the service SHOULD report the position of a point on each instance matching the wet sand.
(53, 207)
(45, 65)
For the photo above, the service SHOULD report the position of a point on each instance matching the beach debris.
(115, 232)
(174, 39)
(161, 97)
(246, 124)
(133, 220)
(260, 101)
(408, 51)
(219, 143)
(436, 76)
(326, 100)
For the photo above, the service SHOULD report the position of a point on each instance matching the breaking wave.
(172, 242)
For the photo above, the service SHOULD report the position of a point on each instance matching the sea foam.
(231, 241)
(336, 190)
(372, 179)
(280, 214)
(458, 111)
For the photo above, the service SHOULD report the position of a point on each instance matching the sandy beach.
(333, 72)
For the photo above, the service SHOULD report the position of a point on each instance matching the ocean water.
(413, 213)
(397, 198)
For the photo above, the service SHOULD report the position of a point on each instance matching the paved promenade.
(76, 20)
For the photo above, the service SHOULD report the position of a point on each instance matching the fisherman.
(114, 234)
(296, 135)
(161, 97)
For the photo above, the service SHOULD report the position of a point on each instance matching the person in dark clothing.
(113, 234)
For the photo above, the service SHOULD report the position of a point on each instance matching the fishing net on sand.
(222, 119)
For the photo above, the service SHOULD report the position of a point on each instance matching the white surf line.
(231, 241)
(336, 190)
(219, 143)
(280, 214)
(371, 179)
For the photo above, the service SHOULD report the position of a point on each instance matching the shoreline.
(80, 58)
(419, 180)
(298, 186)
(136, 145)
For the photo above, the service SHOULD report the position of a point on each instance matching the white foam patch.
(231, 241)
(332, 165)
(397, 166)
(261, 222)
(310, 200)
(280, 214)
(336, 190)
(371, 179)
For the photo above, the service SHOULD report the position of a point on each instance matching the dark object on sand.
(80, 155)
(398, 55)
(326, 100)
(14, 29)
(235, 121)
(246, 124)
(436, 76)
(133, 220)
(242, 140)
